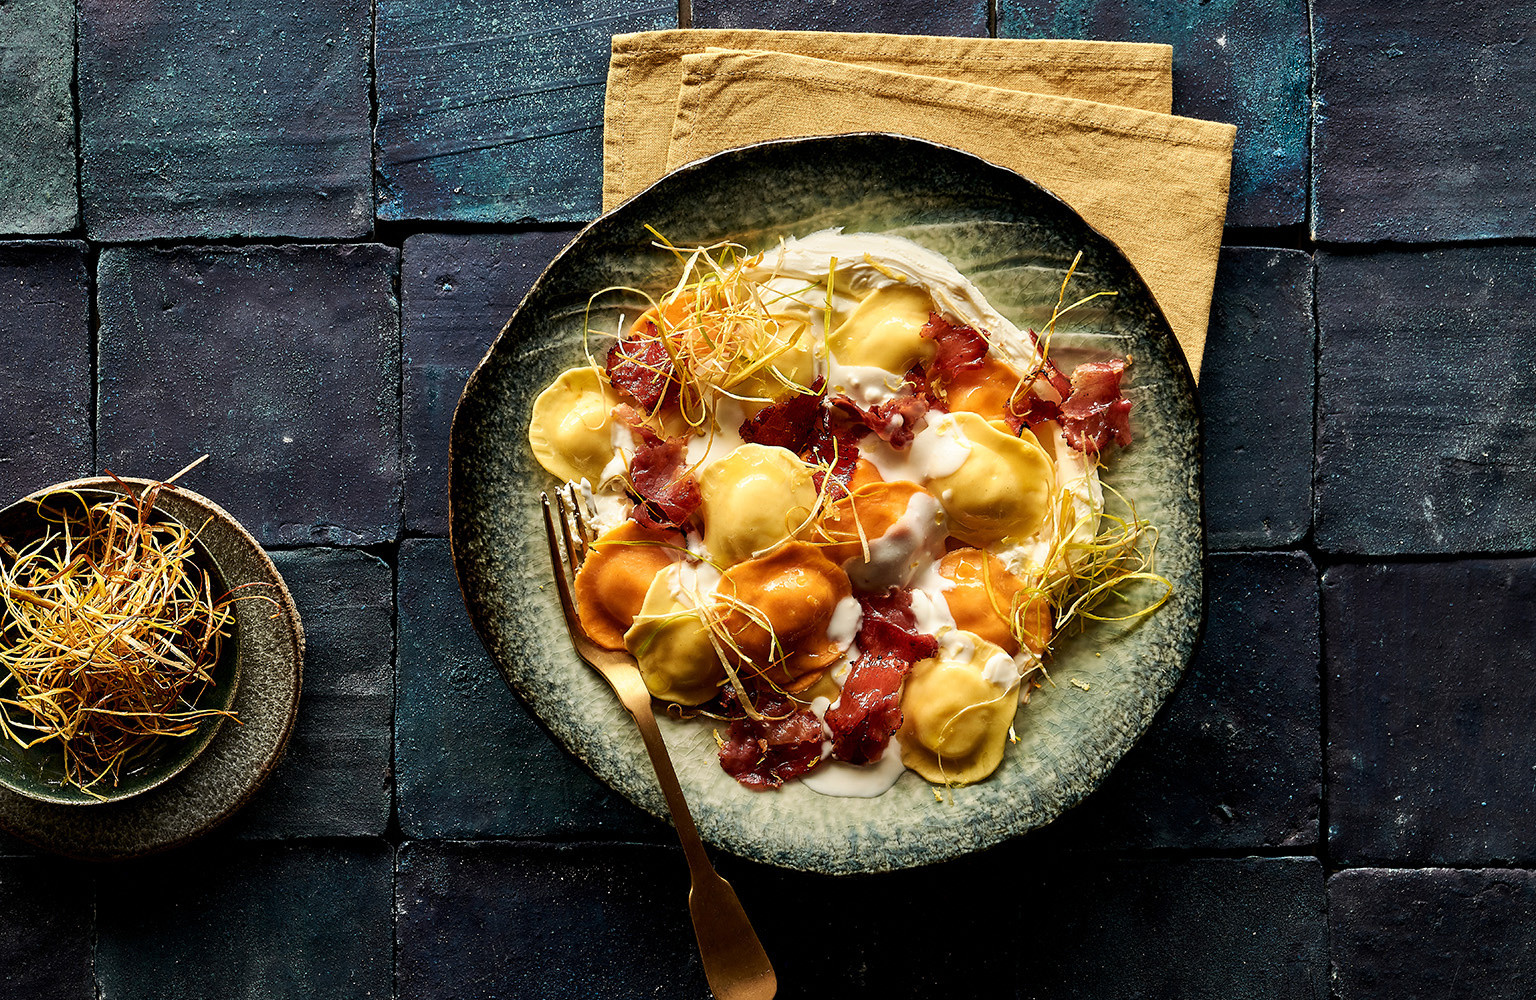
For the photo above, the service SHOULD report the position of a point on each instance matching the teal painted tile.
(456, 294)
(1429, 754)
(247, 921)
(1257, 390)
(471, 761)
(1244, 63)
(281, 363)
(493, 111)
(335, 778)
(37, 117)
(1426, 440)
(45, 366)
(225, 118)
(1424, 131)
(894, 16)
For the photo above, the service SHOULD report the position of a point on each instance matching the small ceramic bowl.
(38, 772)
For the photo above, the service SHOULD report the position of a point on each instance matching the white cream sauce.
(854, 781)
(909, 546)
(939, 449)
(847, 616)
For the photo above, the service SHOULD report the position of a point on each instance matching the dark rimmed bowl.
(1014, 240)
(38, 771)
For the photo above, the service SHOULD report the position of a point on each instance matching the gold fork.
(735, 964)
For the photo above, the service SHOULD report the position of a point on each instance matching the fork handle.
(632, 692)
(735, 964)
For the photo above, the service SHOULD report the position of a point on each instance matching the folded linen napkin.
(1153, 183)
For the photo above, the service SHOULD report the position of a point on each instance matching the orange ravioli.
(611, 585)
(985, 390)
(864, 473)
(794, 589)
(985, 594)
(873, 507)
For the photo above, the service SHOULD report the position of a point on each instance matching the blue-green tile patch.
(45, 366)
(335, 778)
(1423, 128)
(225, 118)
(1429, 760)
(258, 921)
(1244, 63)
(456, 293)
(1256, 395)
(470, 760)
(493, 112)
(281, 363)
(37, 117)
(1425, 436)
(894, 16)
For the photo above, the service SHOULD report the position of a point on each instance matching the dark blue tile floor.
(284, 232)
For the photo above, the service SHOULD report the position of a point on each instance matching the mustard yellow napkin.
(1153, 183)
(646, 71)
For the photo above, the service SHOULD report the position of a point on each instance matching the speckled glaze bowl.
(38, 771)
(239, 757)
(1012, 239)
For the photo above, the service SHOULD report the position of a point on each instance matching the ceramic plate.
(239, 757)
(1013, 240)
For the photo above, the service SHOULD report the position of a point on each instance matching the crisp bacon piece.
(834, 443)
(668, 494)
(889, 626)
(959, 347)
(765, 753)
(869, 709)
(1095, 413)
(918, 382)
(635, 421)
(893, 419)
(788, 423)
(1042, 399)
(640, 367)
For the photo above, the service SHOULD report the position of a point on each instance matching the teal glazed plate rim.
(1015, 241)
(38, 772)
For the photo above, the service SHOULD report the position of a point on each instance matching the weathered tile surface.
(1423, 128)
(1234, 760)
(1232, 62)
(280, 362)
(1256, 395)
(264, 922)
(225, 117)
(1426, 440)
(45, 366)
(335, 777)
(1429, 708)
(901, 17)
(456, 293)
(925, 932)
(493, 112)
(1432, 935)
(507, 920)
(471, 761)
(1015, 923)
(45, 929)
(37, 117)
